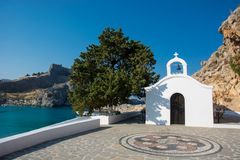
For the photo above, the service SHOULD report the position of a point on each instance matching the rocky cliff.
(47, 89)
(216, 71)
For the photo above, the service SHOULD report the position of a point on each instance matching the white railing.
(31, 138)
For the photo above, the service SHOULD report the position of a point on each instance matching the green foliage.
(235, 63)
(107, 74)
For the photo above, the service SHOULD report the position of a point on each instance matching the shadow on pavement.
(47, 144)
(140, 119)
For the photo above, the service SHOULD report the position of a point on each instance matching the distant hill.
(42, 89)
(216, 71)
(4, 80)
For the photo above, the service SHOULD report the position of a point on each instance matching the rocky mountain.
(46, 89)
(4, 80)
(216, 71)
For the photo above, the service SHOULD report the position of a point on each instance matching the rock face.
(48, 89)
(56, 74)
(216, 71)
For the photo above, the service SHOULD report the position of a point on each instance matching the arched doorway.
(177, 109)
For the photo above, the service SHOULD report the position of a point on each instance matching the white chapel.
(179, 99)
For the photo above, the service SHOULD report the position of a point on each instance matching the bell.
(178, 67)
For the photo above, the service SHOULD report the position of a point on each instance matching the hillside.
(216, 71)
(47, 89)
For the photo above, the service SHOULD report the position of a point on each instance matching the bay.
(19, 119)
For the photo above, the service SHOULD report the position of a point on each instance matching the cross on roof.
(175, 54)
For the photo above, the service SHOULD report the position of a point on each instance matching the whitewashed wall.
(106, 120)
(198, 101)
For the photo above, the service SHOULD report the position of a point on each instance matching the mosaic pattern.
(170, 144)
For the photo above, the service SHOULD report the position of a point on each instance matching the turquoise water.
(14, 120)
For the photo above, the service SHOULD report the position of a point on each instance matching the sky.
(35, 34)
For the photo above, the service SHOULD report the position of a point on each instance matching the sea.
(19, 119)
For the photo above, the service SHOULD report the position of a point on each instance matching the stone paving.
(168, 144)
(104, 144)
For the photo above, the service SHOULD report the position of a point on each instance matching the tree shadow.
(47, 144)
(139, 119)
(226, 115)
(157, 103)
(154, 112)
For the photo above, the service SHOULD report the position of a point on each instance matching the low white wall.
(28, 139)
(106, 120)
(228, 126)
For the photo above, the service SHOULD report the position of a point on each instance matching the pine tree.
(107, 74)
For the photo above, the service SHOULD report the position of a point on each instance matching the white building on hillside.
(179, 99)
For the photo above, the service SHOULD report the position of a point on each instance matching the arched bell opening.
(176, 68)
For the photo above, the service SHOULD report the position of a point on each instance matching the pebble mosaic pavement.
(165, 144)
(110, 143)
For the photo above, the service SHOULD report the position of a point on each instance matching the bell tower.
(181, 66)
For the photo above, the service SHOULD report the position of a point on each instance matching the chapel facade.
(179, 99)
